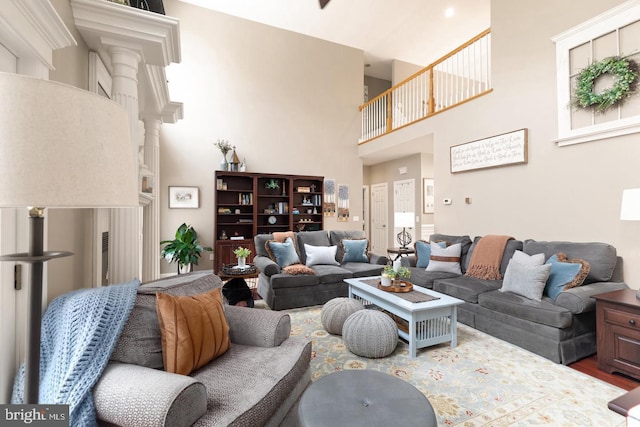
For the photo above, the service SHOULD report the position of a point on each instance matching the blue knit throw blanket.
(79, 331)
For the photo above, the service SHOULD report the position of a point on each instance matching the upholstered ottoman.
(370, 333)
(336, 311)
(364, 398)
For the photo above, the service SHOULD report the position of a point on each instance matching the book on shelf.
(236, 238)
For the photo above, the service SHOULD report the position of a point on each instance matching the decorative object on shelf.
(625, 73)
(223, 235)
(224, 147)
(403, 220)
(241, 255)
(151, 5)
(243, 165)
(184, 249)
(62, 147)
(183, 197)
(630, 209)
(343, 203)
(329, 207)
(234, 164)
(272, 185)
(272, 220)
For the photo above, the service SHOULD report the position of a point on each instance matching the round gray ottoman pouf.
(364, 398)
(370, 333)
(336, 311)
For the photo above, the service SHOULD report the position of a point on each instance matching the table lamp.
(630, 209)
(404, 220)
(60, 147)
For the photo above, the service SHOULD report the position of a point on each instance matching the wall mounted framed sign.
(500, 150)
(428, 197)
(184, 197)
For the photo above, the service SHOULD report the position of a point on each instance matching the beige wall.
(288, 102)
(418, 166)
(563, 193)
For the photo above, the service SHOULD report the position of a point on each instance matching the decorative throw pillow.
(355, 250)
(525, 280)
(320, 255)
(565, 274)
(296, 269)
(525, 259)
(445, 259)
(194, 330)
(283, 253)
(423, 252)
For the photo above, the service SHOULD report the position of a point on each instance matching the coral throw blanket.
(486, 257)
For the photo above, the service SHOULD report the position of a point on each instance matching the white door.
(8, 301)
(404, 200)
(379, 219)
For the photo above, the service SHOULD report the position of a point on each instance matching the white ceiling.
(414, 31)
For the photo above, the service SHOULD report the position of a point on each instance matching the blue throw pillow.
(355, 250)
(283, 254)
(423, 252)
(562, 273)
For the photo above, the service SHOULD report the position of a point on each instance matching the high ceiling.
(414, 31)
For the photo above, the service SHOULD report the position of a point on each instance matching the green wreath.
(626, 76)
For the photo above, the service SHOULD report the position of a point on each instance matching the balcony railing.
(458, 77)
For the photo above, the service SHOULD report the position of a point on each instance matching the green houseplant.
(242, 254)
(185, 249)
(389, 274)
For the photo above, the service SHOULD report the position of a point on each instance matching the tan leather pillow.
(194, 330)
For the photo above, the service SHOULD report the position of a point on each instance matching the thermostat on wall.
(446, 201)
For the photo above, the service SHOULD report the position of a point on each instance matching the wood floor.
(589, 366)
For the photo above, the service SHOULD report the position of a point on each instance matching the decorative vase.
(242, 262)
(385, 280)
(184, 268)
(223, 163)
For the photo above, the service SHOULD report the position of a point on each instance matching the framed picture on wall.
(184, 197)
(428, 197)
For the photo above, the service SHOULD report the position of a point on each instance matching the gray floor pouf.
(336, 311)
(370, 333)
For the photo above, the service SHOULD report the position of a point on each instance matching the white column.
(124, 242)
(151, 222)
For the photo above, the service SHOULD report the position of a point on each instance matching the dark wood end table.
(398, 252)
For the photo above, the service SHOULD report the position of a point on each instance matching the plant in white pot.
(242, 254)
(185, 249)
(389, 274)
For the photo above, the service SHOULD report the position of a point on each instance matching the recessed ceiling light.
(449, 12)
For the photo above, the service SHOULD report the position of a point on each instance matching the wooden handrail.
(430, 68)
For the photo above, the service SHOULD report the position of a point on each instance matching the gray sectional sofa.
(134, 390)
(562, 330)
(282, 291)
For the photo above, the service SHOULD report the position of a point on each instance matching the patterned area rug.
(482, 382)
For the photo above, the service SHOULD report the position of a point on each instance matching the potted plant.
(242, 254)
(185, 249)
(389, 275)
(224, 146)
(272, 185)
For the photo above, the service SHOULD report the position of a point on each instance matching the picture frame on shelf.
(184, 197)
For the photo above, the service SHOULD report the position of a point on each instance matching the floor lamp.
(60, 147)
(630, 209)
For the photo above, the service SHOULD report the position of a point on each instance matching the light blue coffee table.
(429, 323)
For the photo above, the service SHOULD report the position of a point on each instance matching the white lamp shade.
(403, 219)
(61, 146)
(630, 209)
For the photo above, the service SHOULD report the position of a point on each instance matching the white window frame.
(611, 20)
